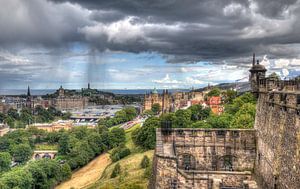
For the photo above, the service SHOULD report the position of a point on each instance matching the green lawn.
(46, 147)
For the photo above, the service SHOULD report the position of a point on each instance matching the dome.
(258, 67)
(154, 91)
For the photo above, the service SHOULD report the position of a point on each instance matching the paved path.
(88, 174)
(132, 123)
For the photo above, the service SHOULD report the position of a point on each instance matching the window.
(221, 133)
(235, 134)
(207, 133)
(298, 99)
(187, 162)
(180, 133)
(227, 163)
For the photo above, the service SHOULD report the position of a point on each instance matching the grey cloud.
(182, 31)
(40, 22)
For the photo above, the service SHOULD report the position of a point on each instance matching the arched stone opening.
(187, 162)
(47, 156)
(225, 163)
(37, 156)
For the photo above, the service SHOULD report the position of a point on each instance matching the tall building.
(154, 98)
(172, 102)
(29, 99)
(257, 72)
(68, 102)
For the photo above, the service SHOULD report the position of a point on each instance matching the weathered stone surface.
(199, 158)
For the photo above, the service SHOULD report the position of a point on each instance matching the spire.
(253, 62)
(28, 91)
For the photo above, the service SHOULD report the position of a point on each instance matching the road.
(132, 123)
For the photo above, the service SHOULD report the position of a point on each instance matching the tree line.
(27, 116)
(76, 148)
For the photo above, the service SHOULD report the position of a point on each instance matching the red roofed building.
(215, 104)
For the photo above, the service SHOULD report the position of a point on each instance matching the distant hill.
(239, 86)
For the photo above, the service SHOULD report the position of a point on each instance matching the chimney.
(253, 62)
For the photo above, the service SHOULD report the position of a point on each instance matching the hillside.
(132, 175)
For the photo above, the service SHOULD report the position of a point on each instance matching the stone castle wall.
(278, 134)
(204, 159)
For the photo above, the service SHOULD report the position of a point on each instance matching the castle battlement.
(204, 158)
(273, 84)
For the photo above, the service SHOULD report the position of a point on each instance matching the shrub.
(148, 172)
(116, 172)
(145, 162)
(119, 153)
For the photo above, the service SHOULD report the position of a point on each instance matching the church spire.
(28, 91)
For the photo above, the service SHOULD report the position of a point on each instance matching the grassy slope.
(132, 173)
(46, 147)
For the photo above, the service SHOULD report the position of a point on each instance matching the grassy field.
(88, 174)
(131, 172)
(45, 147)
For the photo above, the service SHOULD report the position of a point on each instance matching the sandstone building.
(67, 102)
(216, 105)
(172, 102)
(266, 157)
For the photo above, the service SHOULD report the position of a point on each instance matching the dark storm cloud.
(36, 22)
(182, 31)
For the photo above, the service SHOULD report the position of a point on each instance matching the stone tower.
(29, 103)
(257, 72)
(61, 91)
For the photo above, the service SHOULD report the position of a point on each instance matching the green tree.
(26, 116)
(167, 118)
(66, 172)
(119, 153)
(131, 113)
(156, 108)
(229, 95)
(148, 113)
(2, 117)
(22, 153)
(64, 144)
(222, 121)
(245, 117)
(238, 102)
(214, 92)
(117, 136)
(17, 178)
(183, 118)
(66, 116)
(95, 143)
(145, 162)
(198, 112)
(13, 113)
(5, 160)
(145, 136)
(10, 121)
(116, 171)
(38, 175)
(201, 124)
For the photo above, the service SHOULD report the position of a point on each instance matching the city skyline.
(142, 45)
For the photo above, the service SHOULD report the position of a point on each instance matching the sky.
(136, 44)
